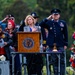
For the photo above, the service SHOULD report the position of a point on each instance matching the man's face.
(56, 16)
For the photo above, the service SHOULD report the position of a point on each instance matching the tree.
(19, 9)
(71, 7)
(45, 6)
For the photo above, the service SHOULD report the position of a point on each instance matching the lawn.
(69, 71)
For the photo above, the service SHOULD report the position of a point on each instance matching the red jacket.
(2, 51)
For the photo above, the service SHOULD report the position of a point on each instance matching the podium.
(28, 41)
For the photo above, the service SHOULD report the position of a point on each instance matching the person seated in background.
(34, 61)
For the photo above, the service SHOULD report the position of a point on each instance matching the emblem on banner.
(28, 43)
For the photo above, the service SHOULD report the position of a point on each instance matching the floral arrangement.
(73, 35)
(72, 58)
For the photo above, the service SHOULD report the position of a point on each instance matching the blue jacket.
(57, 32)
(3, 25)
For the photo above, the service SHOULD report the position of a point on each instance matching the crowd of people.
(53, 31)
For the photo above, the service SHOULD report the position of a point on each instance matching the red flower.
(73, 35)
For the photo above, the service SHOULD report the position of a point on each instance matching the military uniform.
(57, 34)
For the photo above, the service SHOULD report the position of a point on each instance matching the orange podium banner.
(28, 41)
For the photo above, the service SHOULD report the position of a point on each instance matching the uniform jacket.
(57, 32)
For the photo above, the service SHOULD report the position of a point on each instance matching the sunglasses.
(11, 19)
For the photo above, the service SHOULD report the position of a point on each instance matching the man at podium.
(34, 61)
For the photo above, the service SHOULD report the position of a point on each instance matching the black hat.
(10, 15)
(55, 11)
(34, 15)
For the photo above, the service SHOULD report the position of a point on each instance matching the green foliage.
(71, 10)
(45, 6)
(31, 4)
(70, 41)
(19, 9)
(3, 5)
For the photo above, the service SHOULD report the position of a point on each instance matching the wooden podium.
(28, 41)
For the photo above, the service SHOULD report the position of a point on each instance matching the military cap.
(55, 11)
(34, 15)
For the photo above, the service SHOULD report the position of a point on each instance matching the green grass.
(44, 70)
(69, 71)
